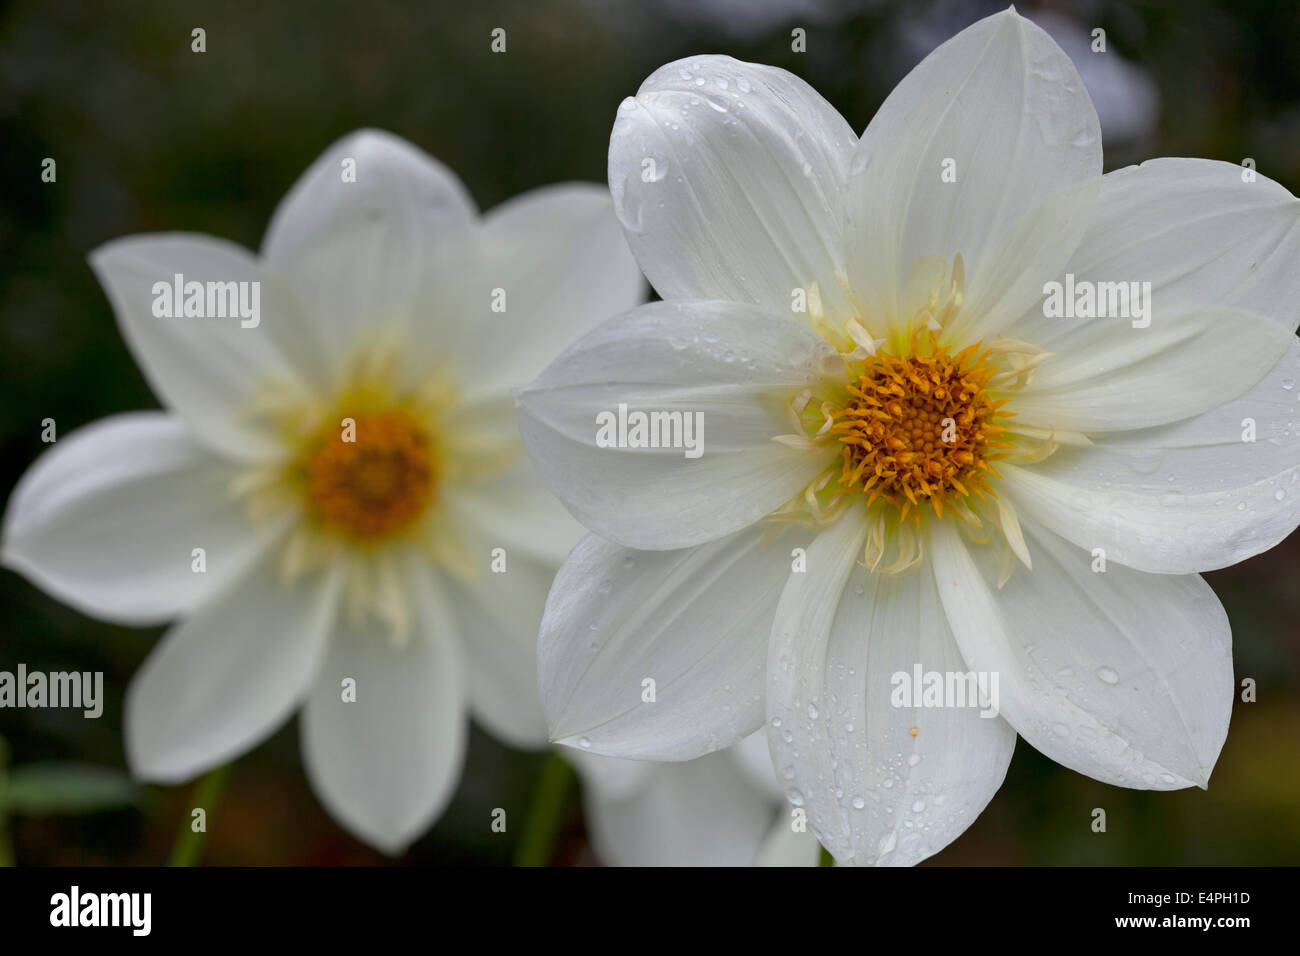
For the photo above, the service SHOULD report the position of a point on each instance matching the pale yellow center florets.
(367, 474)
(910, 425)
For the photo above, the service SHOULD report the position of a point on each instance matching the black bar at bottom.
(559, 907)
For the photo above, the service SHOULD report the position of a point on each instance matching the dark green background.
(150, 136)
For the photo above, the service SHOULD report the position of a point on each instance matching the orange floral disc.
(919, 427)
(375, 485)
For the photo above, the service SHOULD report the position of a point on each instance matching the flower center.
(371, 478)
(918, 427)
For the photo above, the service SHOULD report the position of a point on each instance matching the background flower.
(723, 809)
(347, 464)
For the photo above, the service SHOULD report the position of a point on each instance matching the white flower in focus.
(722, 809)
(861, 325)
(351, 469)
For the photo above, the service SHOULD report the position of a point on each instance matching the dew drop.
(1145, 462)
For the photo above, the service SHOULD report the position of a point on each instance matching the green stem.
(188, 848)
(546, 814)
(827, 859)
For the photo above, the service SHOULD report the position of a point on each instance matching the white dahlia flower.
(723, 809)
(862, 332)
(336, 484)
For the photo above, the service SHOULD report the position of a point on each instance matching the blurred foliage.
(45, 789)
(42, 789)
(149, 136)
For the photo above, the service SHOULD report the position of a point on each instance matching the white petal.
(206, 369)
(1114, 377)
(730, 366)
(1002, 108)
(697, 813)
(108, 518)
(515, 509)
(496, 617)
(1198, 233)
(561, 265)
(222, 681)
(786, 846)
(386, 764)
(694, 621)
(882, 784)
(1200, 494)
(1123, 676)
(611, 778)
(361, 252)
(727, 178)
(755, 757)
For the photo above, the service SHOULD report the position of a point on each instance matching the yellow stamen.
(918, 427)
